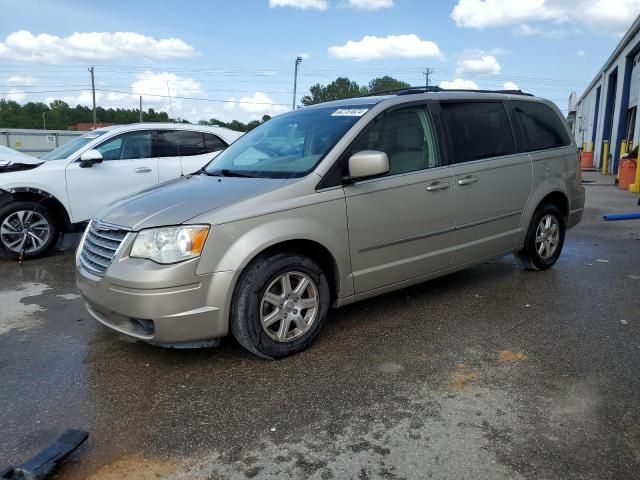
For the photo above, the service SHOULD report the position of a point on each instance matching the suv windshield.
(287, 146)
(64, 151)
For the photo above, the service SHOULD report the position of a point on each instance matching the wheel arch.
(306, 247)
(553, 192)
(26, 194)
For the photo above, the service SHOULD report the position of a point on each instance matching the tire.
(530, 256)
(261, 294)
(29, 222)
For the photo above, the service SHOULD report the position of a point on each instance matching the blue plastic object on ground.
(621, 216)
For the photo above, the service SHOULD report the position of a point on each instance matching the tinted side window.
(127, 146)
(405, 135)
(213, 143)
(541, 126)
(180, 143)
(477, 130)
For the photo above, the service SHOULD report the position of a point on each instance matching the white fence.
(35, 142)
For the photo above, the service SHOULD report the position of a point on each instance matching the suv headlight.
(170, 244)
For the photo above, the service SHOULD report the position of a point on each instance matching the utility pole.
(93, 91)
(295, 81)
(427, 73)
(140, 108)
(44, 122)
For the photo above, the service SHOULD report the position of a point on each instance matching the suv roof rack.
(413, 90)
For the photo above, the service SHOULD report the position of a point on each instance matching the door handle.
(467, 180)
(142, 170)
(435, 186)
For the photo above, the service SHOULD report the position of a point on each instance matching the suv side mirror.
(367, 164)
(89, 158)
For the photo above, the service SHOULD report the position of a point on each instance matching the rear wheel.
(545, 239)
(280, 305)
(26, 227)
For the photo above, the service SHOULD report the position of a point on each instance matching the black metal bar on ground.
(45, 462)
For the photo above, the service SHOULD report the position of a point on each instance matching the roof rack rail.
(414, 90)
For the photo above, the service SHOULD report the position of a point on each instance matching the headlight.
(170, 244)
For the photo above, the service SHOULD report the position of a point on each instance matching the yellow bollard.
(605, 157)
(635, 187)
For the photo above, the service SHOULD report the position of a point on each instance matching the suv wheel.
(28, 227)
(545, 239)
(280, 305)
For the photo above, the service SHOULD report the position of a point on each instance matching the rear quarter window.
(477, 130)
(542, 129)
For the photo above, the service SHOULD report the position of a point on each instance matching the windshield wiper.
(225, 172)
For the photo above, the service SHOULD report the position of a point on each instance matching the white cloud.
(27, 80)
(604, 16)
(510, 86)
(392, 46)
(150, 83)
(459, 83)
(16, 95)
(581, 53)
(303, 4)
(368, 4)
(526, 30)
(25, 46)
(305, 56)
(480, 64)
(255, 106)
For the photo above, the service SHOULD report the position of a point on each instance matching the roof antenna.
(174, 122)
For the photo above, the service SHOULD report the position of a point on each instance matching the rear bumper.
(183, 314)
(577, 210)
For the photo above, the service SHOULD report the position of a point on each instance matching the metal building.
(35, 142)
(605, 122)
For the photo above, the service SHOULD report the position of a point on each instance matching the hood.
(12, 161)
(177, 201)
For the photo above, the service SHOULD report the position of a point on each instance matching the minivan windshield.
(287, 146)
(64, 151)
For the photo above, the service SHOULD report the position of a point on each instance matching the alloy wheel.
(25, 230)
(547, 236)
(289, 306)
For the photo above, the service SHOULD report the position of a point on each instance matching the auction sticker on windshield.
(350, 112)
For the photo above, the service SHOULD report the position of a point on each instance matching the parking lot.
(491, 373)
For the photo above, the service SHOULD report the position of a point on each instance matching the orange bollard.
(627, 173)
(586, 160)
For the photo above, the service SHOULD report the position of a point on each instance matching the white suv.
(64, 189)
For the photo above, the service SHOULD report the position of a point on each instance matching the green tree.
(339, 89)
(382, 84)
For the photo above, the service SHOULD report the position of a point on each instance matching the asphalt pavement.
(490, 373)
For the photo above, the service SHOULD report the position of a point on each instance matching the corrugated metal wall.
(635, 82)
(35, 142)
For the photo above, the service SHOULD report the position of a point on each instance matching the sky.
(235, 59)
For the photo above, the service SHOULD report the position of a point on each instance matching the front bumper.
(190, 312)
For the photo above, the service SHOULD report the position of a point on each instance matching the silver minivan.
(328, 205)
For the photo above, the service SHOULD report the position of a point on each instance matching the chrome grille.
(100, 246)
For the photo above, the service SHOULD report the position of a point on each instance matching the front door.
(127, 168)
(491, 181)
(401, 224)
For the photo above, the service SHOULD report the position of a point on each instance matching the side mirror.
(89, 158)
(367, 164)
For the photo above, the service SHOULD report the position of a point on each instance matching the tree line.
(59, 115)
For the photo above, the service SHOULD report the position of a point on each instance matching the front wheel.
(26, 228)
(280, 304)
(545, 239)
